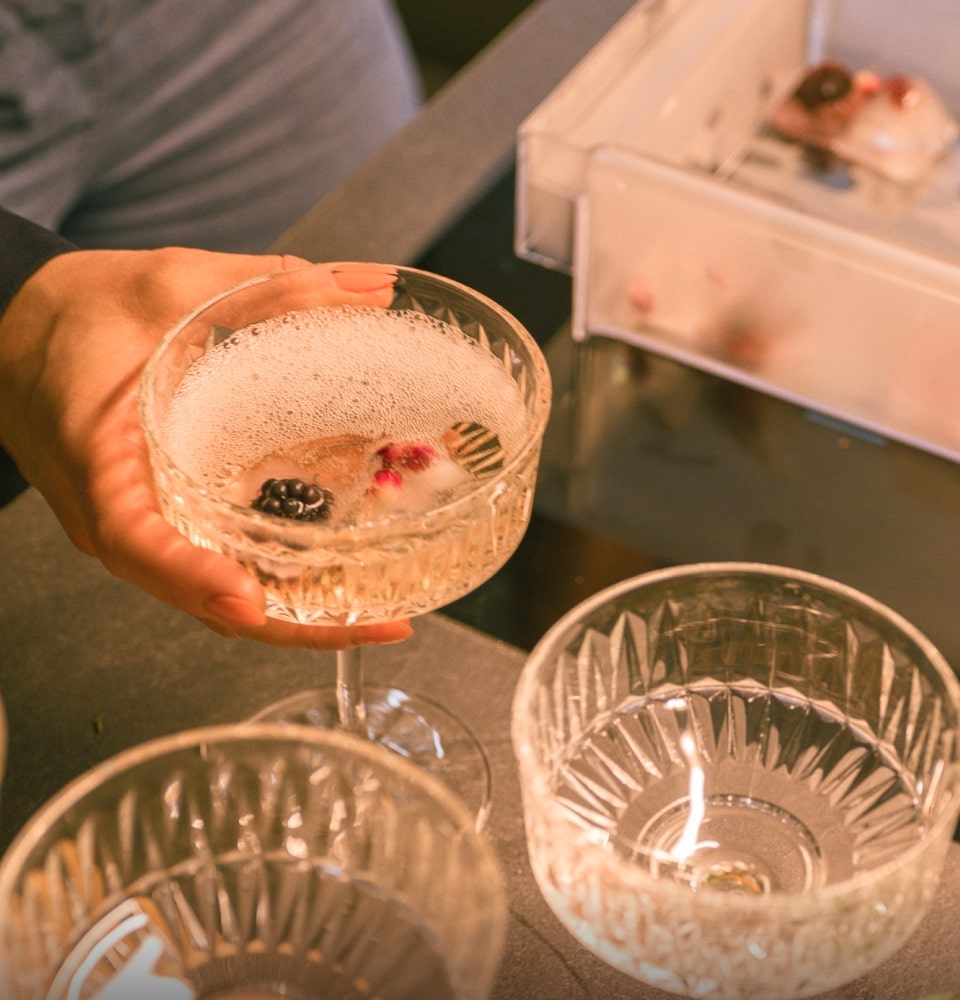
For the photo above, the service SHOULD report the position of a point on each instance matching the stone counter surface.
(90, 666)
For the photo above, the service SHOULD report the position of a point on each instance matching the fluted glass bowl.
(738, 780)
(255, 862)
(317, 399)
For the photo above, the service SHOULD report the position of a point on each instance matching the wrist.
(24, 248)
(26, 324)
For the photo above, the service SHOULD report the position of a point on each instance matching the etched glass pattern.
(382, 570)
(255, 861)
(738, 780)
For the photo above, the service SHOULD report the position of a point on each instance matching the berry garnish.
(417, 457)
(293, 499)
(414, 456)
(387, 486)
(902, 91)
(397, 458)
(824, 84)
(387, 479)
(475, 447)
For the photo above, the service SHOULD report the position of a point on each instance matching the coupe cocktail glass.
(738, 780)
(251, 862)
(421, 423)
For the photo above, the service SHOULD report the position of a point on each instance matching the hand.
(73, 343)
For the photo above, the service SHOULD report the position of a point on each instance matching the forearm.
(24, 248)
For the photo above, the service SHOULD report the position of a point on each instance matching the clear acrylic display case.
(630, 71)
(863, 330)
(694, 229)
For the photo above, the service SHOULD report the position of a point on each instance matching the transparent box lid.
(622, 81)
(865, 330)
(694, 228)
(691, 82)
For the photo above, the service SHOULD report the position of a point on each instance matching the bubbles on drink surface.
(381, 411)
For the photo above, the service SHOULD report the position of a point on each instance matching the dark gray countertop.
(90, 665)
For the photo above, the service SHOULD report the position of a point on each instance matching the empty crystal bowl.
(256, 861)
(738, 780)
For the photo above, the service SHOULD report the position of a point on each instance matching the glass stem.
(351, 710)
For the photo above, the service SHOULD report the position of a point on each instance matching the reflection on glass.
(365, 460)
(251, 862)
(738, 780)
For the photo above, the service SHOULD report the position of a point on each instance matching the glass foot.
(409, 724)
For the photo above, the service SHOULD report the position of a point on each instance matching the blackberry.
(824, 84)
(293, 499)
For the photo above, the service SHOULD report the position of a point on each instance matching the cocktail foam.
(350, 372)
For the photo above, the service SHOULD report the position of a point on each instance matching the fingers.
(303, 283)
(293, 635)
(373, 282)
(125, 527)
(221, 594)
(298, 288)
(206, 584)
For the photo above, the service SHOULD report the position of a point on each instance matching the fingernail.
(384, 635)
(363, 278)
(234, 609)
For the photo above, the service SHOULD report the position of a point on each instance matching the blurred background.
(446, 36)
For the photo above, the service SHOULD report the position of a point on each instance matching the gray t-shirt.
(210, 123)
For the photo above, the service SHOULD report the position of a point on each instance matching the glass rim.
(524, 724)
(224, 734)
(400, 523)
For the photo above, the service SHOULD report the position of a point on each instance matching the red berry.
(414, 456)
(417, 457)
(389, 454)
(902, 91)
(387, 479)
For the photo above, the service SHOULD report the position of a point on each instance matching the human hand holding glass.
(73, 343)
(415, 430)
